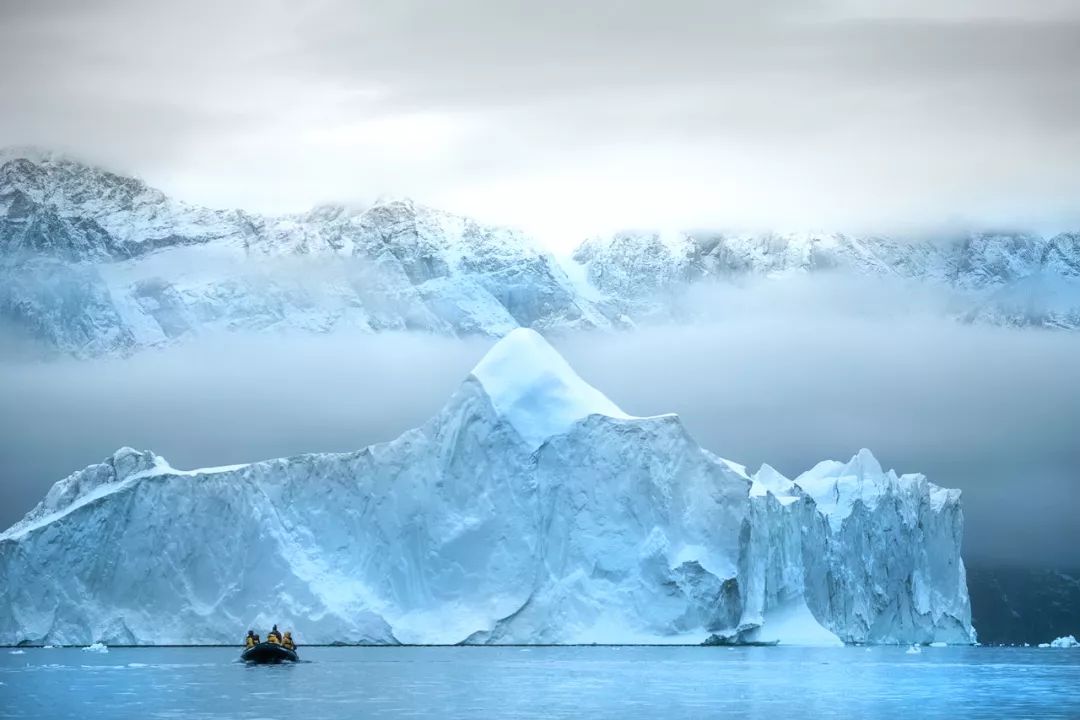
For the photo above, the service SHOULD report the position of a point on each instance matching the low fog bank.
(228, 400)
(993, 411)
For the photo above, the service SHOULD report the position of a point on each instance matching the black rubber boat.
(266, 653)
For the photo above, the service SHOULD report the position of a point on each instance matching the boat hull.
(269, 654)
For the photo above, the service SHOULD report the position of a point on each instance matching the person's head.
(275, 628)
(251, 633)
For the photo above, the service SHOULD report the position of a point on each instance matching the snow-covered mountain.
(95, 263)
(531, 509)
(1003, 278)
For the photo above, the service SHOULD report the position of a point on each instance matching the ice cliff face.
(531, 509)
(94, 263)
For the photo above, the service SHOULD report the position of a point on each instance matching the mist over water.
(773, 374)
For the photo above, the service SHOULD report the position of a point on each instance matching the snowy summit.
(530, 509)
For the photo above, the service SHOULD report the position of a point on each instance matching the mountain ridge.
(95, 263)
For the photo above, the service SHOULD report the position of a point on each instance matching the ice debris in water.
(17, 652)
(1067, 641)
(96, 647)
(914, 650)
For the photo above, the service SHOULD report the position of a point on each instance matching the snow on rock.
(999, 278)
(529, 510)
(93, 263)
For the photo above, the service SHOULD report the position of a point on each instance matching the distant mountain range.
(94, 263)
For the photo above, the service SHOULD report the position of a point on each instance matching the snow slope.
(529, 510)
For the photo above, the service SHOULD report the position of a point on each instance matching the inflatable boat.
(266, 653)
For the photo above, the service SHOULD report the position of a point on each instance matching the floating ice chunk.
(1068, 641)
(914, 650)
(939, 644)
(17, 652)
(617, 530)
(96, 647)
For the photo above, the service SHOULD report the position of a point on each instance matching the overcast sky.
(566, 117)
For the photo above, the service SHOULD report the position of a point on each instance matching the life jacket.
(288, 642)
(272, 638)
(250, 641)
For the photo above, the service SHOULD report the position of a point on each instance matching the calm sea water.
(572, 682)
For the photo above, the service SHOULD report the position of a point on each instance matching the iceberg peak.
(617, 530)
(533, 387)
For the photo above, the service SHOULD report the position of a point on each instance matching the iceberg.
(1068, 641)
(531, 509)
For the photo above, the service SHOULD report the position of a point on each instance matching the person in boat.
(251, 640)
(274, 636)
(287, 641)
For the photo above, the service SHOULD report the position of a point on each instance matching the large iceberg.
(531, 509)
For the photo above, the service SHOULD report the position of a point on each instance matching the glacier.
(530, 509)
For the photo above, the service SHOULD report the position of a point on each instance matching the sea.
(624, 682)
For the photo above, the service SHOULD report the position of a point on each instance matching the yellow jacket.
(249, 641)
(273, 639)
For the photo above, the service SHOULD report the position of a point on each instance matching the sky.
(567, 118)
